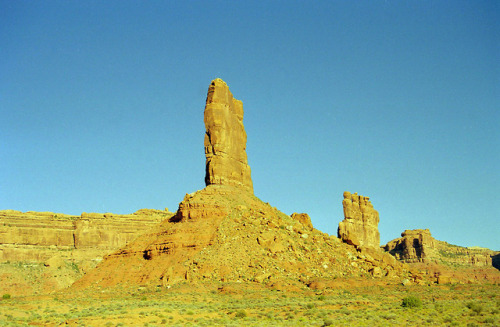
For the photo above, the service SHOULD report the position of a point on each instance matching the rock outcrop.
(225, 139)
(304, 219)
(414, 246)
(360, 224)
(418, 245)
(221, 234)
(36, 236)
(61, 248)
(225, 235)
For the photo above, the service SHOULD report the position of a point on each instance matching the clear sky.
(101, 107)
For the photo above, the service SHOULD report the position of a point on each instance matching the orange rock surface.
(225, 233)
(360, 224)
(36, 236)
(225, 139)
(222, 233)
(418, 245)
(45, 251)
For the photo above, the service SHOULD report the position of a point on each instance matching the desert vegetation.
(236, 305)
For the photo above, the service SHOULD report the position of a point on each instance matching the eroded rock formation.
(360, 224)
(418, 245)
(45, 251)
(223, 234)
(36, 236)
(414, 246)
(225, 139)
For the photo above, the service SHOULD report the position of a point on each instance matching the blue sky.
(101, 107)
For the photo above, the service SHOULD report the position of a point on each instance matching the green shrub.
(241, 314)
(475, 307)
(411, 302)
(74, 266)
(447, 319)
(327, 322)
(6, 296)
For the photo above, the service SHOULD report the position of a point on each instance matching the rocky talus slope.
(223, 234)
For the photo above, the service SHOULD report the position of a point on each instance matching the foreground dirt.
(353, 303)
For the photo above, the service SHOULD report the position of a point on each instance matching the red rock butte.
(225, 139)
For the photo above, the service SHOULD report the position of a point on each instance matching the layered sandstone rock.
(157, 256)
(225, 139)
(45, 251)
(414, 246)
(360, 224)
(418, 245)
(37, 236)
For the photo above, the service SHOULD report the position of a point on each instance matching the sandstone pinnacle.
(225, 139)
(360, 224)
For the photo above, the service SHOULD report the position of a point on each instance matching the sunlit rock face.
(225, 139)
(414, 246)
(360, 224)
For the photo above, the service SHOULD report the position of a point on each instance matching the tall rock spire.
(360, 224)
(225, 139)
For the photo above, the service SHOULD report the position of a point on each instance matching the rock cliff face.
(44, 251)
(414, 246)
(36, 236)
(418, 245)
(225, 139)
(360, 224)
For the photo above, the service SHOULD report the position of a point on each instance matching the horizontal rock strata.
(37, 236)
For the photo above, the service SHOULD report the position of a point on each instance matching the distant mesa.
(63, 247)
(225, 139)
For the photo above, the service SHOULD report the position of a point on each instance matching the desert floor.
(212, 304)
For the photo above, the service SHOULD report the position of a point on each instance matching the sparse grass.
(360, 306)
(475, 307)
